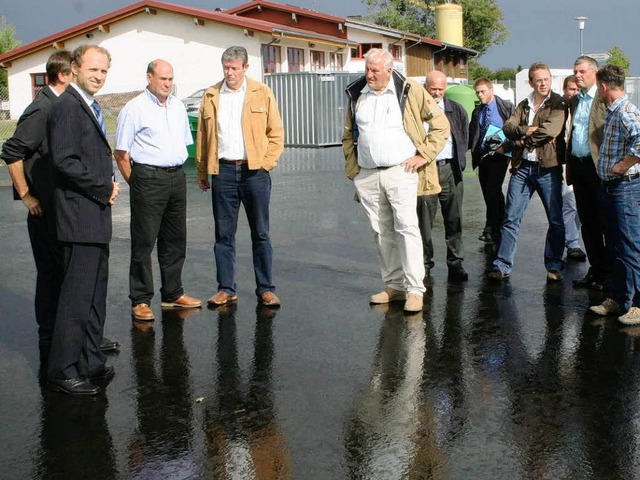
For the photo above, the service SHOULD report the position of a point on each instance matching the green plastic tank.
(193, 125)
(465, 95)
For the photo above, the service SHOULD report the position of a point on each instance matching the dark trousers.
(491, 173)
(450, 200)
(587, 188)
(158, 213)
(75, 347)
(47, 255)
(236, 184)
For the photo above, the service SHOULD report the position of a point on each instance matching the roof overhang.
(312, 37)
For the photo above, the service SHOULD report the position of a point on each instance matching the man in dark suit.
(29, 164)
(27, 157)
(451, 162)
(492, 169)
(84, 190)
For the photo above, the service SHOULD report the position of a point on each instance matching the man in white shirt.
(240, 137)
(151, 147)
(390, 159)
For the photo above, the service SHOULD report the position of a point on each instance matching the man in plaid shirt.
(620, 174)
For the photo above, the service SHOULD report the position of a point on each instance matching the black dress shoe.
(587, 281)
(107, 372)
(73, 386)
(108, 345)
(458, 274)
(485, 237)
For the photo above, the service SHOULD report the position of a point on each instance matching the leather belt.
(621, 178)
(233, 162)
(444, 161)
(155, 167)
(583, 159)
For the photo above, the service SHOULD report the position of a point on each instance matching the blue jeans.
(233, 185)
(527, 179)
(622, 204)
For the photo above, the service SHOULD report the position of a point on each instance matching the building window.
(38, 82)
(295, 59)
(317, 60)
(396, 52)
(271, 59)
(361, 50)
(336, 62)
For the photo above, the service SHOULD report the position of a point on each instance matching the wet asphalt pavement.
(492, 381)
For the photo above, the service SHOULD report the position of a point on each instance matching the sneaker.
(497, 276)
(413, 303)
(554, 276)
(576, 254)
(632, 317)
(388, 295)
(608, 307)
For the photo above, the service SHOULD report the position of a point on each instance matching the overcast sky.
(541, 30)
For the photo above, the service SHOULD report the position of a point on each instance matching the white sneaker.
(632, 317)
(608, 307)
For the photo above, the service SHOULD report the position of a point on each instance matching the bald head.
(160, 79)
(436, 84)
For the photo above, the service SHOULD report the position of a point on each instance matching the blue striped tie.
(99, 117)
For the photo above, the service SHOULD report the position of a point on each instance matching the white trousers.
(389, 198)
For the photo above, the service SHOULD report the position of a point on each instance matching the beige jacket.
(261, 128)
(417, 106)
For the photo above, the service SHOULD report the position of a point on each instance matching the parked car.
(192, 102)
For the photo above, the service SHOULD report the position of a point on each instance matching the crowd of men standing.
(405, 148)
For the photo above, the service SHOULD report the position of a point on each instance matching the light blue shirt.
(580, 131)
(152, 133)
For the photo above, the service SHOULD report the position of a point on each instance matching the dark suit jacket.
(459, 121)
(29, 143)
(596, 131)
(505, 110)
(83, 169)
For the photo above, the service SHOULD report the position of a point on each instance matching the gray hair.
(379, 53)
(235, 53)
(588, 60)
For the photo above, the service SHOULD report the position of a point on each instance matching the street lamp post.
(581, 21)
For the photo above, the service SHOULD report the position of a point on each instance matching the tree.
(619, 58)
(7, 42)
(504, 74)
(477, 71)
(482, 20)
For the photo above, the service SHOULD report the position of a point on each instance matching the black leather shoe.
(458, 274)
(587, 281)
(73, 386)
(107, 372)
(485, 237)
(601, 285)
(107, 345)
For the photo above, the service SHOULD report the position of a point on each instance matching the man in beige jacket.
(390, 159)
(240, 137)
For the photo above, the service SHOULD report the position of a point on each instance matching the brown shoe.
(387, 295)
(269, 299)
(183, 301)
(413, 303)
(142, 312)
(221, 298)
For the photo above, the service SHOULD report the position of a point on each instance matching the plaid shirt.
(621, 137)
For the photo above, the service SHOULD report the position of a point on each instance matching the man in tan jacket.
(390, 159)
(240, 137)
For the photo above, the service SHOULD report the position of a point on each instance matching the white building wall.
(363, 36)
(193, 51)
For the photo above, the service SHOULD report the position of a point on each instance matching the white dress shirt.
(382, 140)
(230, 138)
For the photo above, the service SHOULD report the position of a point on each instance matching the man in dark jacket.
(491, 168)
(537, 131)
(451, 162)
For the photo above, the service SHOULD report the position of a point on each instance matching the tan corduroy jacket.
(261, 128)
(417, 107)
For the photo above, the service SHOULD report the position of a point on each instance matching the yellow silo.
(449, 23)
